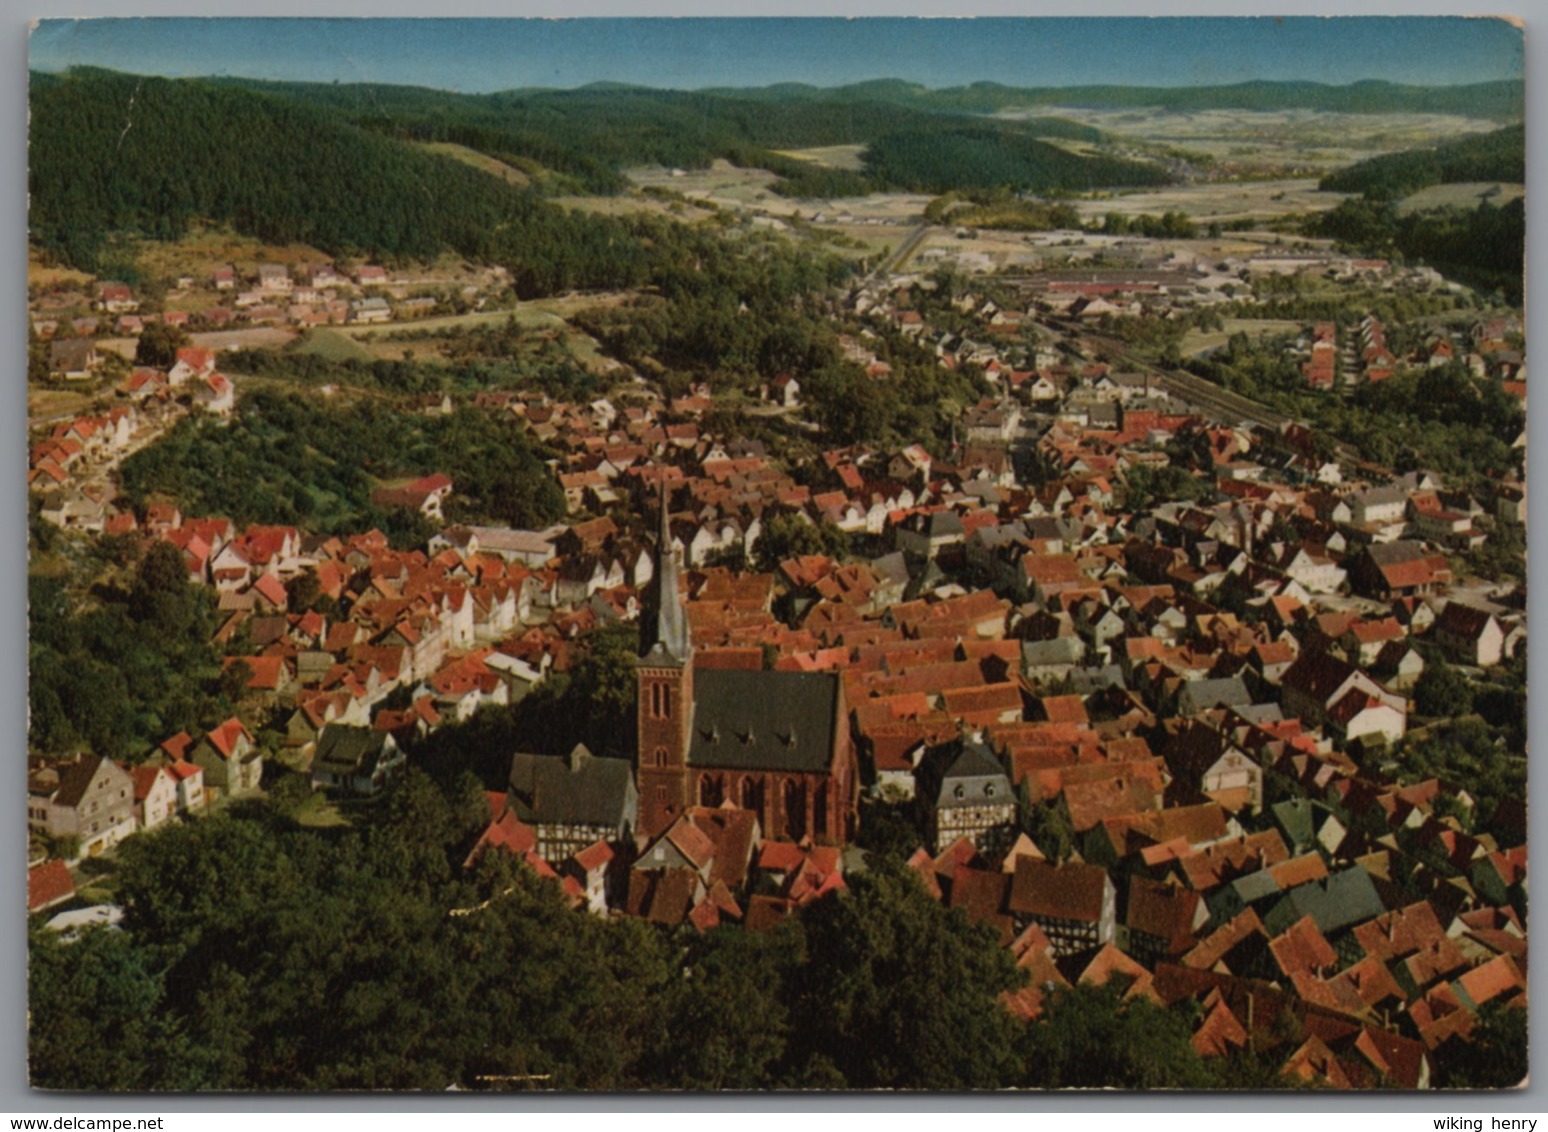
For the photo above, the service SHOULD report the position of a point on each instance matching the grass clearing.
(829, 156)
(43, 402)
(1464, 194)
(320, 812)
(480, 161)
(1198, 341)
(333, 346)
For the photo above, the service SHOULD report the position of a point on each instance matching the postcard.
(776, 554)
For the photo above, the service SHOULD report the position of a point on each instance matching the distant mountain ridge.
(1503, 99)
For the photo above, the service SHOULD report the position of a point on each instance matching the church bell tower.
(665, 699)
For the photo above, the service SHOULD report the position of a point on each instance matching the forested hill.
(113, 153)
(590, 135)
(1497, 156)
(1502, 100)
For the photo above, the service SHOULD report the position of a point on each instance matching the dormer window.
(989, 790)
(960, 792)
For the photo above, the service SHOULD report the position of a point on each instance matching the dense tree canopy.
(119, 670)
(1496, 156)
(288, 459)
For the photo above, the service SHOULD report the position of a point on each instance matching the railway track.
(1232, 407)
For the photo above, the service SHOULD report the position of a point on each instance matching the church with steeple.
(775, 743)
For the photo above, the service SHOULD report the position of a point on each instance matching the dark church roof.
(664, 627)
(754, 720)
(574, 789)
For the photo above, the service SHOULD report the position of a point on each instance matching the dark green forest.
(989, 157)
(285, 458)
(1497, 156)
(260, 954)
(1483, 246)
(116, 666)
(115, 154)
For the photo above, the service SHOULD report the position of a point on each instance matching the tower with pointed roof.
(665, 696)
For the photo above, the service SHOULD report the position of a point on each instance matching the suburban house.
(73, 359)
(355, 760)
(155, 795)
(1470, 635)
(232, 764)
(49, 884)
(90, 799)
(1321, 689)
(425, 495)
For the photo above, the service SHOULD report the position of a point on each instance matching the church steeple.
(664, 675)
(666, 623)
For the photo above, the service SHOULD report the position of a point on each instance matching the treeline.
(588, 137)
(1497, 156)
(115, 154)
(1502, 99)
(284, 458)
(1483, 246)
(258, 954)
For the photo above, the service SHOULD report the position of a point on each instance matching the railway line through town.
(1197, 391)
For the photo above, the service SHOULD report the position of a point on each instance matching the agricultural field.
(1248, 140)
(259, 337)
(634, 204)
(1200, 341)
(829, 156)
(1467, 194)
(435, 339)
(1222, 201)
(722, 184)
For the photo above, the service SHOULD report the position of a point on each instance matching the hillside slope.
(1496, 156)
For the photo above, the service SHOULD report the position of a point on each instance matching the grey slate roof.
(664, 627)
(1199, 695)
(1085, 681)
(1336, 902)
(1057, 650)
(574, 789)
(349, 750)
(1401, 550)
(972, 767)
(763, 720)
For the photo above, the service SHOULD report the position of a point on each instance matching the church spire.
(666, 623)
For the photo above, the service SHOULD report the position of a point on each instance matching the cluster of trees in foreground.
(262, 954)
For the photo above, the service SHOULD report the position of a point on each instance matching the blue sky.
(484, 55)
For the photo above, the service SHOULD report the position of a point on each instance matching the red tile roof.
(49, 883)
